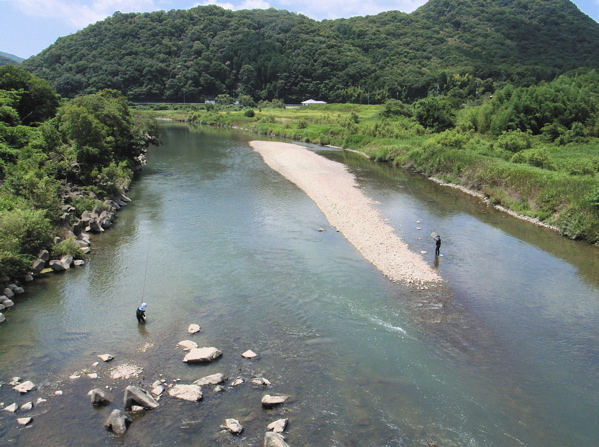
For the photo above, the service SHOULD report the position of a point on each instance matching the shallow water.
(504, 353)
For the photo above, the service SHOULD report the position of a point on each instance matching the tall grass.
(558, 184)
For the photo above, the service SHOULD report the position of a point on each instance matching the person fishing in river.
(141, 313)
(437, 245)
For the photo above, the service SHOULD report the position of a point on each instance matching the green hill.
(461, 47)
(7, 58)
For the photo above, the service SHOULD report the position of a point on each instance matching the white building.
(311, 101)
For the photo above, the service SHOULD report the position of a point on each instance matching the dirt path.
(335, 192)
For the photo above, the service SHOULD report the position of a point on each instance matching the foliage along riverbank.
(532, 150)
(58, 159)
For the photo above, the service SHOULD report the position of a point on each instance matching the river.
(504, 353)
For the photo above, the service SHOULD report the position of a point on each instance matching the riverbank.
(553, 185)
(347, 209)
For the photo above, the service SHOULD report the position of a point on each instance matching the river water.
(504, 353)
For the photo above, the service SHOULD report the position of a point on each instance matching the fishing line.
(143, 289)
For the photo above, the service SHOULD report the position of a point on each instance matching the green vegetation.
(534, 150)
(461, 49)
(56, 156)
(497, 95)
(6, 59)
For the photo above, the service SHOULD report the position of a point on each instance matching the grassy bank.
(555, 182)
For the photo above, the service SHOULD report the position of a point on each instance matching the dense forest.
(6, 59)
(460, 48)
(57, 159)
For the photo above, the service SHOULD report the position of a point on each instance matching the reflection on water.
(504, 353)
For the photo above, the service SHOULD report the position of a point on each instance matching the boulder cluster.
(22, 388)
(137, 400)
(5, 299)
(96, 221)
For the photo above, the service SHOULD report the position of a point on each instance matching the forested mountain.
(458, 47)
(7, 58)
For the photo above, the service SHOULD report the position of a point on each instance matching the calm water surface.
(505, 353)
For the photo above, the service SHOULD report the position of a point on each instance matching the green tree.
(37, 99)
(394, 107)
(224, 99)
(435, 113)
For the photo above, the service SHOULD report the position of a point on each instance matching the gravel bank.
(335, 192)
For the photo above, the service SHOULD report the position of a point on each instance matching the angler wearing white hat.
(141, 313)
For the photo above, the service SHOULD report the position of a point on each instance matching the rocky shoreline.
(97, 220)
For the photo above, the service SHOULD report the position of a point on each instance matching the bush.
(85, 203)
(435, 113)
(451, 139)
(247, 101)
(67, 247)
(593, 197)
(538, 158)
(24, 231)
(13, 264)
(249, 113)
(394, 107)
(225, 99)
(514, 141)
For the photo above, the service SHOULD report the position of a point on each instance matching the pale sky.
(29, 26)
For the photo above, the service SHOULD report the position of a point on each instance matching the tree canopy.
(460, 47)
(57, 157)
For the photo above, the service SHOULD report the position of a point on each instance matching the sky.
(29, 26)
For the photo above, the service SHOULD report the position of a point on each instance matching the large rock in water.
(44, 255)
(24, 387)
(188, 345)
(67, 260)
(202, 355)
(136, 396)
(272, 439)
(213, 379)
(233, 426)
(38, 266)
(193, 328)
(99, 397)
(269, 401)
(117, 422)
(278, 426)
(191, 393)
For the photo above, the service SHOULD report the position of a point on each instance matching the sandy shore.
(335, 192)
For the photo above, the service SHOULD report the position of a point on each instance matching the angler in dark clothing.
(437, 245)
(141, 313)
